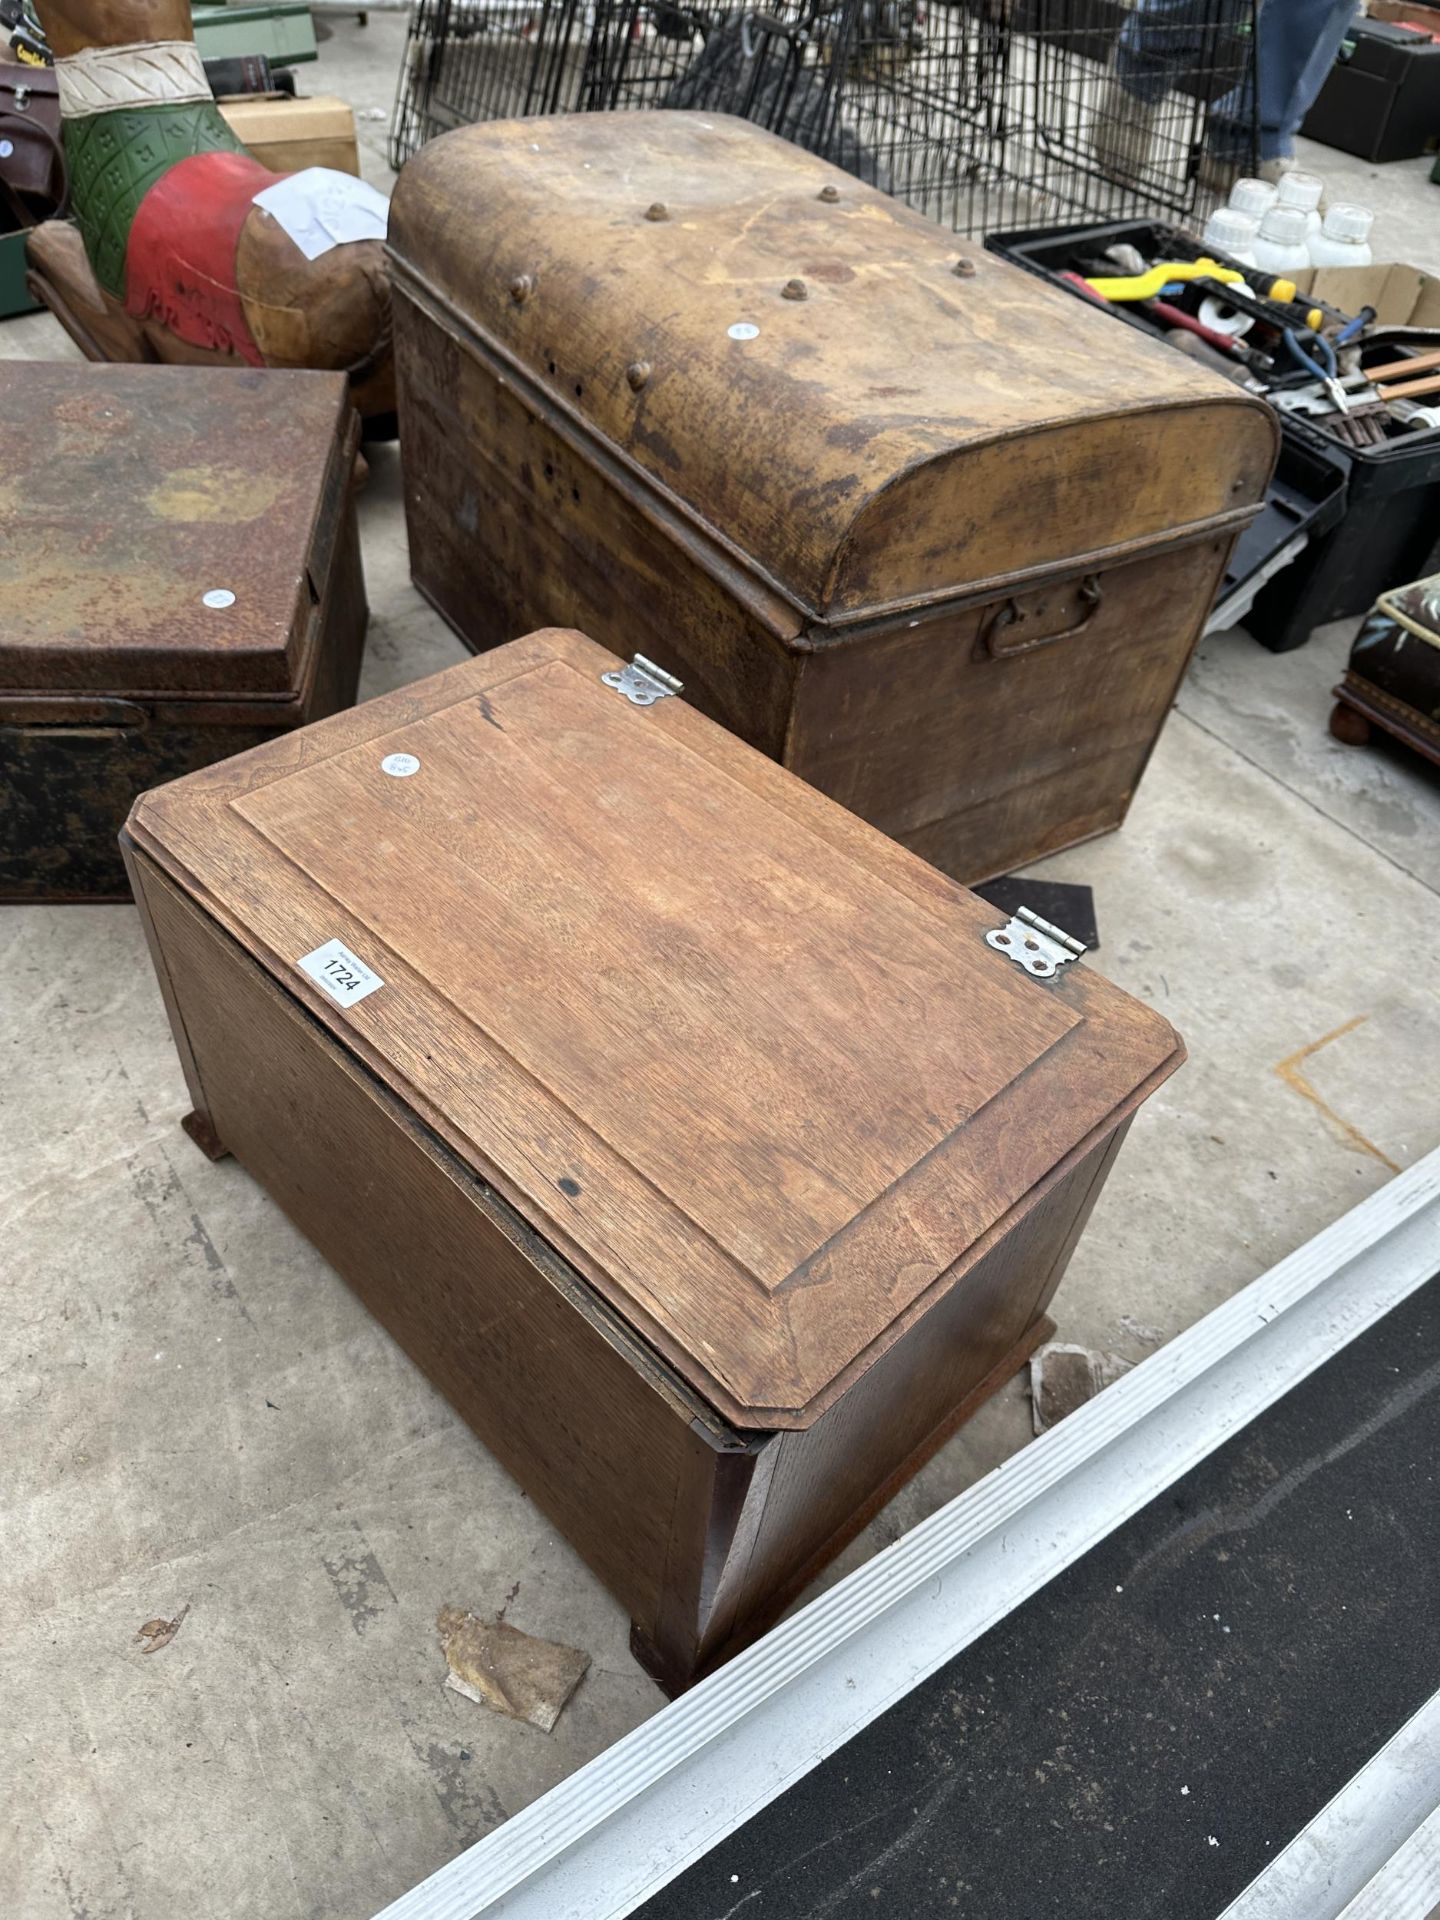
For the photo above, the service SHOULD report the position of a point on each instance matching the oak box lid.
(897, 434)
(749, 1066)
(158, 528)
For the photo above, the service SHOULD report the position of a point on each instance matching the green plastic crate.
(284, 33)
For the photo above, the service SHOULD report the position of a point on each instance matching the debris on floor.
(513, 1672)
(1063, 1377)
(159, 1633)
(1141, 1331)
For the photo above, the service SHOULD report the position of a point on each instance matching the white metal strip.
(1407, 1887)
(1373, 1851)
(603, 1841)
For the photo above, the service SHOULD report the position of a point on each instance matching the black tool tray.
(1377, 529)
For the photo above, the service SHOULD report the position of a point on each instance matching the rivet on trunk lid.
(637, 373)
(657, 210)
(794, 290)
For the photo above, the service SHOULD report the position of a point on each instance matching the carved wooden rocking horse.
(184, 248)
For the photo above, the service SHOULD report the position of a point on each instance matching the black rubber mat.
(1064, 903)
(1151, 1728)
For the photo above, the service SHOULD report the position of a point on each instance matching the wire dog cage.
(980, 113)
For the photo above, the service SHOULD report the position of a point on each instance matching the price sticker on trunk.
(343, 975)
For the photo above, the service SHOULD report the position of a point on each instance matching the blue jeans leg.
(1298, 42)
(1162, 40)
(1298, 46)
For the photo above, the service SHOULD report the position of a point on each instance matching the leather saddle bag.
(33, 181)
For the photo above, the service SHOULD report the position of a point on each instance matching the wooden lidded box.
(697, 1141)
(939, 542)
(179, 579)
(1392, 678)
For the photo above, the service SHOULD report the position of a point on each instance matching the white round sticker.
(743, 330)
(218, 597)
(7, 147)
(401, 765)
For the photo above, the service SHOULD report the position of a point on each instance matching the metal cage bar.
(980, 113)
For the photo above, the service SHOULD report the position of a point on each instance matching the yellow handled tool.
(1145, 286)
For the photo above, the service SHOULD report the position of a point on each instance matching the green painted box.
(14, 294)
(284, 33)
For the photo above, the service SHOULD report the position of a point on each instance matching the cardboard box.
(1401, 296)
(285, 134)
(1405, 13)
(1381, 99)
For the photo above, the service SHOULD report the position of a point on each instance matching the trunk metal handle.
(1091, 597)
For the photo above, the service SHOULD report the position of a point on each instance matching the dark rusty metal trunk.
(134, 494)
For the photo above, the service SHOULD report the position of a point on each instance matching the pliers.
(1317, 357)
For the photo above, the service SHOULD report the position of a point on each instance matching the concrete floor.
(197, 1414)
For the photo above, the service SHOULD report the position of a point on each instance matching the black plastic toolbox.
(1387, 527)
(1381, 99)
(1305, 502)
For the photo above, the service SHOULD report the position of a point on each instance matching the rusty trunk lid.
(793, 359)
(165, 531)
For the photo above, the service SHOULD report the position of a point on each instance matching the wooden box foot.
(1349, 725)
(673, 1672)
(662, 1671)
(205, 1137)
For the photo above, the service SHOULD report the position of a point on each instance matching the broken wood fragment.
(512, 1672)
(159, 1633)
(1064, 1377)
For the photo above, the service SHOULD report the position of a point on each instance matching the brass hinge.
(642, 682)
(1034, 944)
